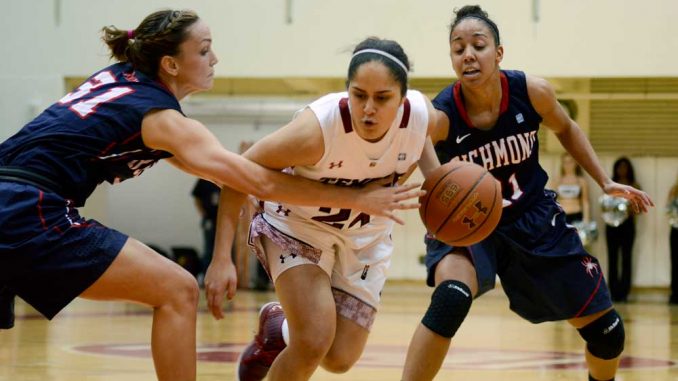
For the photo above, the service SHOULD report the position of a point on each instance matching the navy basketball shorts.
(543, 267)
(48, 253)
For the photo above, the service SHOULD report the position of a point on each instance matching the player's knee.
(185, 292)
(338, 363)
(449, 306)
(312, 344)
(605, 336)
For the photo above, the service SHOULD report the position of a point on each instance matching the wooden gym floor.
(97, 341)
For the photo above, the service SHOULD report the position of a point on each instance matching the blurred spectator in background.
(572, 189)
(620, 238)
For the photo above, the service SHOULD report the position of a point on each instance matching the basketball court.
(97, 341)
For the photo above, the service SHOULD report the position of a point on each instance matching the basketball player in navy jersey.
(329, 264)
(122, 120)
(491, 117)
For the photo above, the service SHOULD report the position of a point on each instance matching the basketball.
(462, 204)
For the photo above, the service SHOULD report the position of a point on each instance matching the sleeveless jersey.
(509, 150)
(92, 134)
(349, 160)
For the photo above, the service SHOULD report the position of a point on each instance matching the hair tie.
(385, 54)
(130, 34)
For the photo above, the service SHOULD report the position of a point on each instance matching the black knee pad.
(449, 306)
(605, 336)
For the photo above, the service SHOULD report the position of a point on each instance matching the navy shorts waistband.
(27, 176)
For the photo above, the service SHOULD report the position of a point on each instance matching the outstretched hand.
(379, 199)
(219, 279)
(639, 200)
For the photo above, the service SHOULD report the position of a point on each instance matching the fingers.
(400, 196)
(232, 286)
(214, 298)
(407, 187)
(406, 206)
(397, 219)
(646, 199)
(641, 200)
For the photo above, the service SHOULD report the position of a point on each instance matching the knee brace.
(449, 306)
(605, 336)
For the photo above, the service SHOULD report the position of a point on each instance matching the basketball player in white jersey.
(329, 265)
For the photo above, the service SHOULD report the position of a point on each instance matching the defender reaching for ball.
(492, 119)
(329, 264)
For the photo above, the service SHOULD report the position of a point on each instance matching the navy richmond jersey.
(92, 134)
(509, 150)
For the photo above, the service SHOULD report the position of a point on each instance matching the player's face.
(374, 96)
(475, 58)
(196, 59)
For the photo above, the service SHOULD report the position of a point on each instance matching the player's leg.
(604, 335)
(305, 294)
(139, 274)
(549, 276)
(456, 283)
(347, 347)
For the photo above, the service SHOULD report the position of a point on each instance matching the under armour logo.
(402, 156)
(469, 221)
(337, 165)
(283, 257)
(280, 210)
(480, 209)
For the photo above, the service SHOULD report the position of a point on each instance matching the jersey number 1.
(85, 107)
(517, 192)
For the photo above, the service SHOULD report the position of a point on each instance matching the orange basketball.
(462, 204)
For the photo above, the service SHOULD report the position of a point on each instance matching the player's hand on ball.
(379, 199)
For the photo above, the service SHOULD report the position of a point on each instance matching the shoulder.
(538, 88)
(328, 101)
(418, 101)
(541, 95)
(328, 107)
(421, 110)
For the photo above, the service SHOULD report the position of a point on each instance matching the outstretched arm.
(201, 154)
(298, 143)
(574, 140)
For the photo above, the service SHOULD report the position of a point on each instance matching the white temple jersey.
(351, 161)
